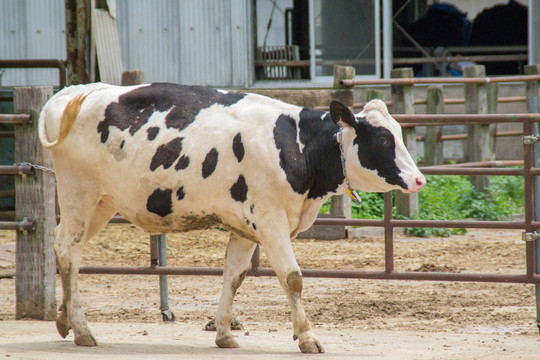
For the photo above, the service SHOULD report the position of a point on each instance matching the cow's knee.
(294, 283)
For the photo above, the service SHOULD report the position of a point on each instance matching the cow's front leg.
(281, 257)
(237, 258)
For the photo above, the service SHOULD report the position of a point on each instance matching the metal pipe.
(441, 170)
(466, 136)
(447, 101)
(320, 273)
(16, 170)
(471, 58)
(388, 234)
(440, 80)
(7, 134)
(7, 193)
(471, 224)
(24, 225)
(494, 163)
(163, 279)
(20, 119)
(460, 119)
(39, 63)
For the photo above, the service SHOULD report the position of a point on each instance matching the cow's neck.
(322, 153)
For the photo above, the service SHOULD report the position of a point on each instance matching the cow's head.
(375, 156)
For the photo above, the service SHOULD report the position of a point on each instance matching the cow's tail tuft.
(66, 122)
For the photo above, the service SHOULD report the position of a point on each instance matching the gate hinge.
(530, 236)
(531, 139)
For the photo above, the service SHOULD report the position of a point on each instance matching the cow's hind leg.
(71, 234)
(237, 258)
(280, 254)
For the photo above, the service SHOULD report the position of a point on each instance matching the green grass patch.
(451, 198)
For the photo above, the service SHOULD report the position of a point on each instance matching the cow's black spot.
(248, 222)
(317, 132)
(160, 202)
(291, 159)
(210, 162)
(182, 163)
(152, 132)
(239, 189)
(180, 193)
(317, 167)
(252, 208)
(238, 147)
(122, 144)
(377, 151)
(134, 108)
(167, 154)
(254, 226)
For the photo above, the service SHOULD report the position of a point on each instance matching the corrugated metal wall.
(203, 42)
(32, 29)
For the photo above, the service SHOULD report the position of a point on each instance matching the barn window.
(301, 40)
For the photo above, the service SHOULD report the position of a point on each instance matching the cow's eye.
(383, 140)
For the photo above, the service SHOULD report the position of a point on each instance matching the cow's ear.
(341, 114)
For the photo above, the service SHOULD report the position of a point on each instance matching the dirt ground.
(388, 319)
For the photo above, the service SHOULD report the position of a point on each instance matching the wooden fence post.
(34, 200)
(433, 145)
(341, 204)
(403, 103)
(132, 77)
(375, 94)
(481, 140)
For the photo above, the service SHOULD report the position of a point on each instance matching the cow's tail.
(66, 121)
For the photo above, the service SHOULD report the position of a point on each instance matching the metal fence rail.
(38, 63)
(529, 225)
(388, 223)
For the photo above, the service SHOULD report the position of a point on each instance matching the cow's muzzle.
(417, 184)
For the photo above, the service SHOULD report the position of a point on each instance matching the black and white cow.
(176, 158)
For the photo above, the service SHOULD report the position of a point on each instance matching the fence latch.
(530, 236)
(531, 139)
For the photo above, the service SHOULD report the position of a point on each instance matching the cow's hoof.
(311, 347)
(62, 328)
(227, 342)
(85, 340)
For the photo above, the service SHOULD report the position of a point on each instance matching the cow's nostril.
(421, 182)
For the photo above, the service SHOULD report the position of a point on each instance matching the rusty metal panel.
(32, 29)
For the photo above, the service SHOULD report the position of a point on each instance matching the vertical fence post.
(341, 204)
(375, 94)
(531, 88)
(403, 103)
(132, 77)
(480, 141)
(433, 145)
(35, 200)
